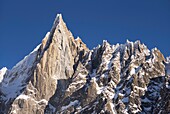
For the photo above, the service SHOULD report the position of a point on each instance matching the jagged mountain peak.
(58, 18)
(63, 76)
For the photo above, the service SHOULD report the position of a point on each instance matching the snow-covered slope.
(63, 76)
(16, 79)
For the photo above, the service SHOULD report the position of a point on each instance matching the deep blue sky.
(24, 23)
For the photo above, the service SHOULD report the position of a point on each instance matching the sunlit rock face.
(61, 75)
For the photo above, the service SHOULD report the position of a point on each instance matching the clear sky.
(24, 23)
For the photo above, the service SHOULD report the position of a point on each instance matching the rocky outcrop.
(63, 76)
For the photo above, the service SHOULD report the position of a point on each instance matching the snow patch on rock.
(72, 103)
(2, 73)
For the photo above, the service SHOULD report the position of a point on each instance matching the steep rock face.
(63, 76)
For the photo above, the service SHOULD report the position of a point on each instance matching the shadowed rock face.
(63, 76)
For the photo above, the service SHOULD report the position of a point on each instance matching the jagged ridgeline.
(62, 76)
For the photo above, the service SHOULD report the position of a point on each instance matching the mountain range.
(63, 76)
